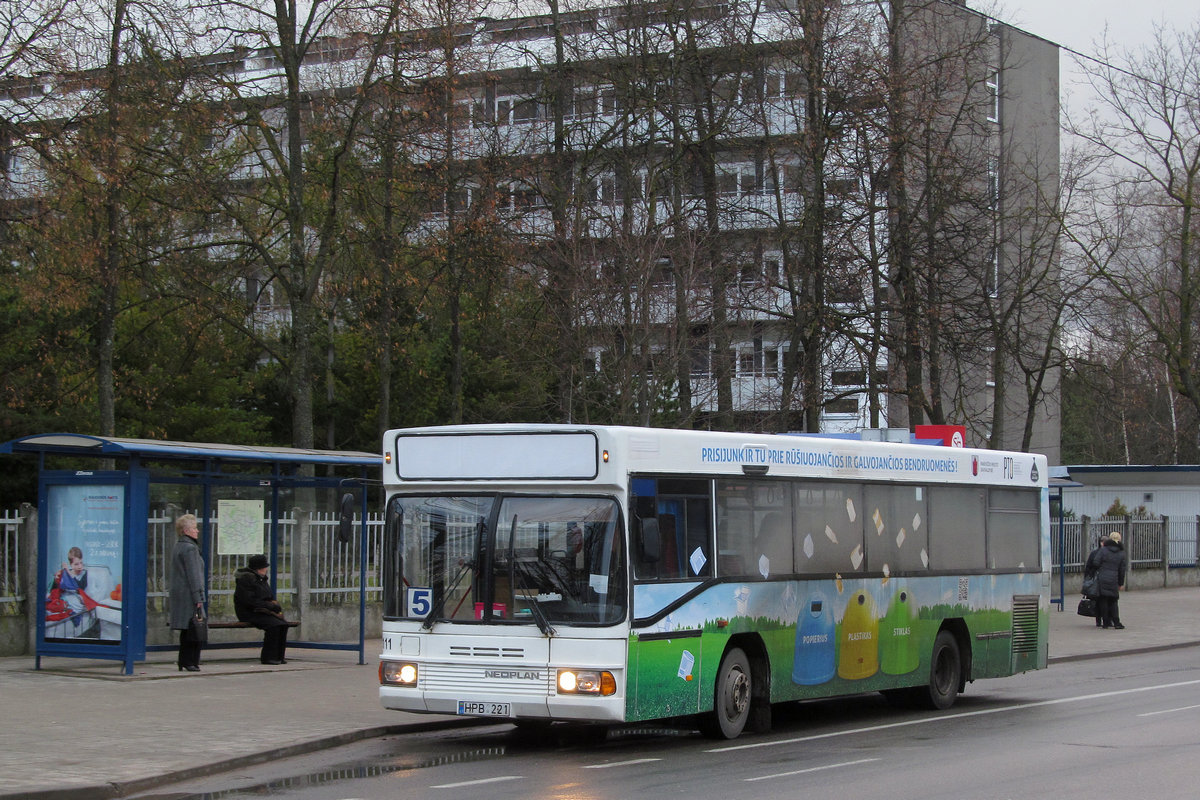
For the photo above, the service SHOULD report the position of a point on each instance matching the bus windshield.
(507, 559)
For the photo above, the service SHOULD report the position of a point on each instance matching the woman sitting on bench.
(255, 604)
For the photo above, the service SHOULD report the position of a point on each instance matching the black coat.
(254, 602)
(1108, 562)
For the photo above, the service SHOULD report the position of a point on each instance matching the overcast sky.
(1079, 24)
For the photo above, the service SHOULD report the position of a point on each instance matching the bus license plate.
(473, 708)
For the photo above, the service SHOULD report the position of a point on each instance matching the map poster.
(239, 527)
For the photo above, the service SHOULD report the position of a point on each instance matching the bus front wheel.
(731, 701)
(945, 672)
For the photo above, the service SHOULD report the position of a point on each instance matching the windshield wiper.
(538, 615)
(436, 611)
(440, 601)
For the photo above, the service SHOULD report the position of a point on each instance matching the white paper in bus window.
(598, 583)
(698, 560)
(764, 566)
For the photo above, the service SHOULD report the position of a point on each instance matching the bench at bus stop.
(213, 625)
(239, 624)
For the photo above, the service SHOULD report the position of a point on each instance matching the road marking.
(622, 763)
(810, 769)
(943, 718)
(497, 779)
(1167, 711)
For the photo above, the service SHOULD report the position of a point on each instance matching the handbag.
(1087, 607)
(1090, 585)
(199, 626)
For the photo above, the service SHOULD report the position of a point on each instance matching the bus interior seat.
(774, 538)
(730, 564)
(668, 563)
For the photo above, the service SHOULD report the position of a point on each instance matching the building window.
(993, 89)
(847, 406)
(993, 278)
(738, 180)
(524, 111)
(849, 377)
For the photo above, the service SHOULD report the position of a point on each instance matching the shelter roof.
(110, 446)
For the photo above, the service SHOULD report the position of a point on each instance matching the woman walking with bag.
(186, 599)
(1110, 577)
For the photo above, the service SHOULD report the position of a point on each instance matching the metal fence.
(332, 576)
(1148, 542)
(333, 568)
(11, 591)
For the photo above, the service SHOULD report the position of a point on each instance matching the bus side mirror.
(345, 531)
(651, 542)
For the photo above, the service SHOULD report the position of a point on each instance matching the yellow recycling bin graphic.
(858, 644)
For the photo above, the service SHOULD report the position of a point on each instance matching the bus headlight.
(586, 681)
(398, 673)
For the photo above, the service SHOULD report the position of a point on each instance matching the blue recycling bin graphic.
(814, 661)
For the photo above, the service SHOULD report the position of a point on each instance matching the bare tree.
(1146, 133)
(299, 101)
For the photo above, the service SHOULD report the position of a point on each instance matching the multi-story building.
(761, 216)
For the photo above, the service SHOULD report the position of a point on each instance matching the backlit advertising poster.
(84, 540)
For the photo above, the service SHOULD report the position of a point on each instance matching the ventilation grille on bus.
(466, 651)
(1025, 623)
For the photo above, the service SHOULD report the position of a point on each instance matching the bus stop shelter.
(106, 527)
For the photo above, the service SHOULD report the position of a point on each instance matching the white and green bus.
(536, 573)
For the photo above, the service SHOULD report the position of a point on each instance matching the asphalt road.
(1116, 727)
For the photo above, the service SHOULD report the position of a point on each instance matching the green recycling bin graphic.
(898, 653)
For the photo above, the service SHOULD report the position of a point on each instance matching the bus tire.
(945, 672)
(731, 697)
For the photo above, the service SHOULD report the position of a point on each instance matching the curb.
(1133, 651)
(112, 791)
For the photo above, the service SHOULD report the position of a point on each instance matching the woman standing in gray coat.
(187, 590)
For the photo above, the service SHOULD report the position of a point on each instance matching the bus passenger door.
(667, 673)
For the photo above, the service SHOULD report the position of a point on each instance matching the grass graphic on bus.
(868, 636)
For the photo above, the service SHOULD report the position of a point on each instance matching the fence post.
(301, 566)
(1166, 548)
(1127, 537)
(1198, 540)
(1085, 533)
(27, 582)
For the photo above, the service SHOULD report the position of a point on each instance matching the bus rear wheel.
(945, 672)
(731, 700)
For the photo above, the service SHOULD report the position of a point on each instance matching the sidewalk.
(82, 729)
